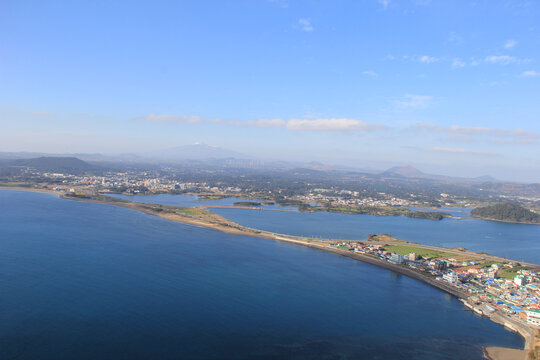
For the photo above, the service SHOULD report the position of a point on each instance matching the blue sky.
(451, 87)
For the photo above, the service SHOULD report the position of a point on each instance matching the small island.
(507, 212)
(376, 210)
(247, 203)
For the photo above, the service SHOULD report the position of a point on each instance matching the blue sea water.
(515, 241)
(92, 281)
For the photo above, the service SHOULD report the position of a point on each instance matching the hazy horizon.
(333, 164)
(449, 88)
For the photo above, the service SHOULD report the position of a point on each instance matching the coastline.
(501, 353)
(505, 221)
(216, 222)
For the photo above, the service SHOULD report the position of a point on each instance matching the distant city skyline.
(448, 87)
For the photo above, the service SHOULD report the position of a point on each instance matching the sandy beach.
(500, 353)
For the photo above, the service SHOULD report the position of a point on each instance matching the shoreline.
(219, 223)
(504, 221)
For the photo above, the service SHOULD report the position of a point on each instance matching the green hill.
(507, 212)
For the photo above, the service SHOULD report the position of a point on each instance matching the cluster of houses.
(518, 297)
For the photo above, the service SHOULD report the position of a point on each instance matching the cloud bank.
(516, 135)
(320, 124)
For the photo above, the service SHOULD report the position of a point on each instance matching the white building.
(533, 317)
(451, 277)
(520, 280)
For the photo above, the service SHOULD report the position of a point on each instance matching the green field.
(189, 211)
(405, 250)
(511, 273)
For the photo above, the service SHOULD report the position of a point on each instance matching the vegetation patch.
(16, 184)
(80, 195)
(189, 211)
(211, 197)
(109, 198)
(510, 273)
(384, 237)
(405, 250)
(376, 210)
(507, 212)
(247, 203)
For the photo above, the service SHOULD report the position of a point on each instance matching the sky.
(451, 87)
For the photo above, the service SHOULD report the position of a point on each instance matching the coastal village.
(504, 288)
(144, 182)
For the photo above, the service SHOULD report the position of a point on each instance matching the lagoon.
(515, 241)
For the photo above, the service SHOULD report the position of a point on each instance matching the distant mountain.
(56, 164)
(196, 151)
(412, 172)
(404, 171)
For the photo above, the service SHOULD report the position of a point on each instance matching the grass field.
(189, 211)
(405, 250)
(510, 273)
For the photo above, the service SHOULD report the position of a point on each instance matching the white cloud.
(501, 59)
(457, 151)
(384, 3)
(458, 63)
(447, 149)
(530, 73)
(415, 101)
(332, 125)
(461, 138)
(171, 118)
(428, 59)
(305, 25)
(518, 135)
(489, 131)
(370, 73)
(321, 124)
(261, 123)
(509, 44)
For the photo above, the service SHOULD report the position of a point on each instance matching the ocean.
(93, 281)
